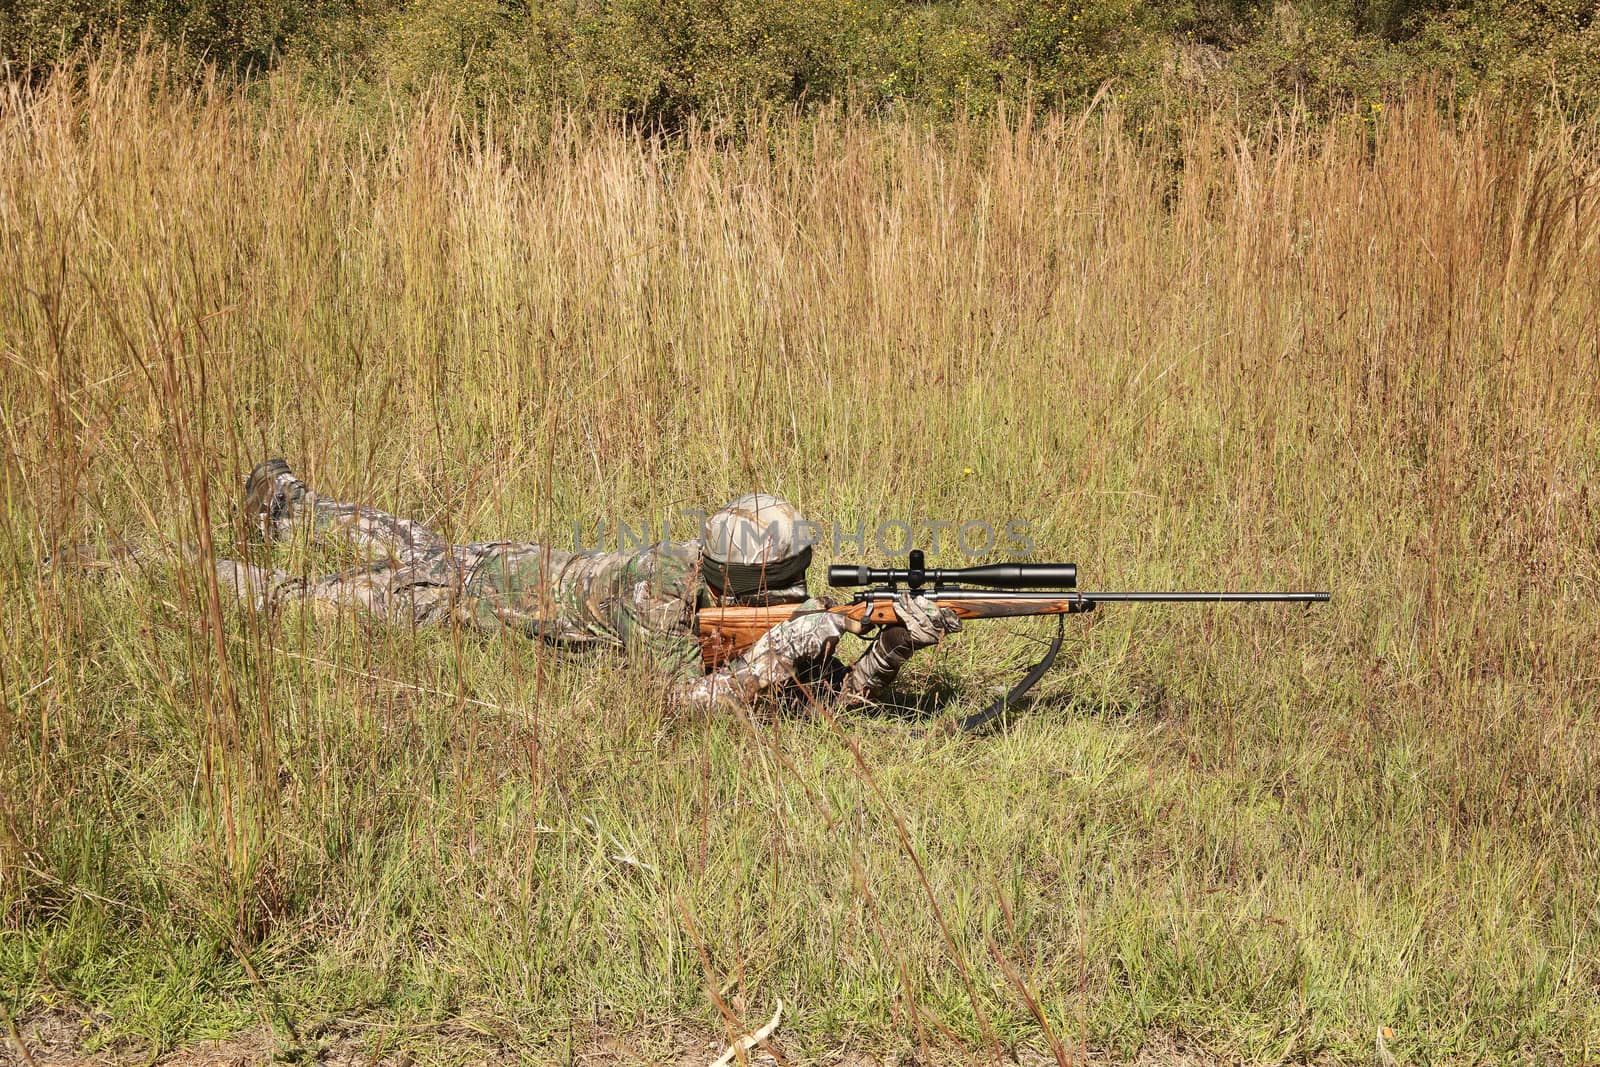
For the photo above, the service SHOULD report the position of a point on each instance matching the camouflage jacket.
(642, 602)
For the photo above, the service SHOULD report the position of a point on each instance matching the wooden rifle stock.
(727, 632)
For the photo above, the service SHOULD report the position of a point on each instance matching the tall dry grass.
(1361, 357)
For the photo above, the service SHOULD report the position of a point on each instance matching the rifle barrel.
(1152, 597)
(1220, 597)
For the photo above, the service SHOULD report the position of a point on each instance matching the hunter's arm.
(918, 625)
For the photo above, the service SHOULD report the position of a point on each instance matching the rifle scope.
(994, 575)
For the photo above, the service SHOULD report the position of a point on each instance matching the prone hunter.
(645, 603)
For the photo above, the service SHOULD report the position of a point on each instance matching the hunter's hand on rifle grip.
(926, 621)
(919, 623)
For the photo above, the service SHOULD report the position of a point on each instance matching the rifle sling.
(979, 719)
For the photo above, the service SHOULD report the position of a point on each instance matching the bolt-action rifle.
(994, 591)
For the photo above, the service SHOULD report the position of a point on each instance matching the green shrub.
(233, 33)
(657, 62)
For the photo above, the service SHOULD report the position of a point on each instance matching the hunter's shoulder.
(672, 564)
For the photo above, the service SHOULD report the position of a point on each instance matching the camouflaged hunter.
(755, 551)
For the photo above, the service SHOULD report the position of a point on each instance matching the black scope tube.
(993, 575)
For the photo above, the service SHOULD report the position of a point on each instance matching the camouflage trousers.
(417, 577)
(414, 575)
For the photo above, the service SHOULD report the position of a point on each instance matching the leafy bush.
(235, 33)
(659, 61)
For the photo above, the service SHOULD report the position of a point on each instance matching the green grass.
(1360, 359)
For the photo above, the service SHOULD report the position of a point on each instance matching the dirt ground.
(61, 1037)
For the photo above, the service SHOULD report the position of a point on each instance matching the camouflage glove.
(922, 625)
(926, 621)
(771, 661)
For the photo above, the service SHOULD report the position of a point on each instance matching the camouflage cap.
(758, 542)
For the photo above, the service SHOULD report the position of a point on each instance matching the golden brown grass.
(1361, 357)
